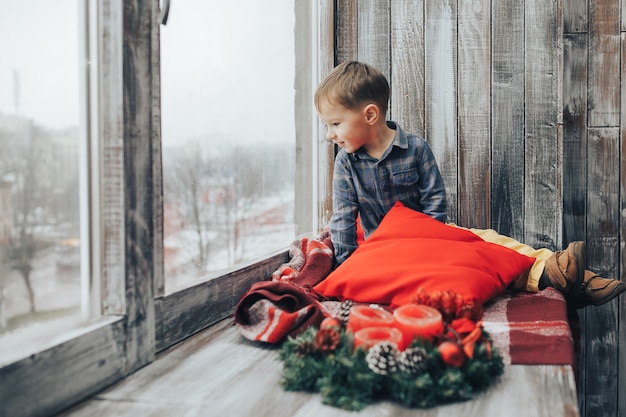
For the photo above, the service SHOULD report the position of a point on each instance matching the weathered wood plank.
(217, 372)
(346, 33)
(474, 113)
(575, 18)
(507, 119)
(440, 39)
(45, 383)
(157, 165)
(185, 312)
(111, 112)
(600, 324)
(575, 148)
(138, 180)
(574, 137)
(621, 316)
(326, 155)
(303, 104)
(542, 192)
(604, 63)
(374, 34)
(407, 65)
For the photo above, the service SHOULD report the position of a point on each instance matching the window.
(40, 284)
(228, 134)
(120, 209)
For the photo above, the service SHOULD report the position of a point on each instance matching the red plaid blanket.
(271, 310)
(526, 328)
(531, 328)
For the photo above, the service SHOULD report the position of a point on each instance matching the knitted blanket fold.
(286, 305)
(527, 328)
(532, 328)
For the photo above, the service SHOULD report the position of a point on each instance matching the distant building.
(41, 164)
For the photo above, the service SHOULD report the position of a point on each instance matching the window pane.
(227, 76)
(39, 148)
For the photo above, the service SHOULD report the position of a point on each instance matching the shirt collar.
(400, 140)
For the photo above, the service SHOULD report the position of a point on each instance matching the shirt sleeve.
(345, 210)
(432, 189)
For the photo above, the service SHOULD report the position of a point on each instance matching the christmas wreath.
(453, 367)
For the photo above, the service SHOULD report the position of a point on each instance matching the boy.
(379, 164)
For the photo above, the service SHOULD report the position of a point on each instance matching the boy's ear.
(371, 113)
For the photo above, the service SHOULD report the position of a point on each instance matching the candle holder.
(417, 321)
(362, 316)
(369, 336)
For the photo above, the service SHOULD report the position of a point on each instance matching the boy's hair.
(354, 84)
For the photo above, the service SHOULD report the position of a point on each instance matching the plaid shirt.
(369, 187)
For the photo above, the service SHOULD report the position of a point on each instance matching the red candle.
(369, 336)
(417, 321)
(364, 316)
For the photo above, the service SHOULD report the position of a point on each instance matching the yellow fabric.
(529, 280)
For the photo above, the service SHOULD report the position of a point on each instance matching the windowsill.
(40, 337)
(245, 381)
(234, 271)
(187, 311)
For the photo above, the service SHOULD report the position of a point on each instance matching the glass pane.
(39, 148)
(227, 76)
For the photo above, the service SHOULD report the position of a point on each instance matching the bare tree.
(217, 188)
(22, 243)
(21, 254)
(23, 162)
(184, 183)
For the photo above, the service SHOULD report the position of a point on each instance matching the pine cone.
(412, 360)
(471, 310)
(421, 297)
(382, 358)
(327, 340)
(344, 310)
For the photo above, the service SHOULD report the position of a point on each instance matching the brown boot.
(595, 290)
(566, 268)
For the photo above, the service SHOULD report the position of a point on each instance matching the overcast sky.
(227, 67)
(39, 55)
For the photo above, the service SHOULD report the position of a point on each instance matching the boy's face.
(346, 128)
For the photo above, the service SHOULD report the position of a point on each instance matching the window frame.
(214, 296)
(126, 273)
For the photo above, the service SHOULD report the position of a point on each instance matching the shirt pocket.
(405, 179)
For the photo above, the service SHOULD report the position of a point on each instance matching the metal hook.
(165, 11)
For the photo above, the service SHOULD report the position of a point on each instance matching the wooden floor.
(219, 373)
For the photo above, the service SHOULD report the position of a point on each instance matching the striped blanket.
(287, 304)
(532, 328)
(527, 328)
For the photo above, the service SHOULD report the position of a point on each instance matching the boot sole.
(620, 288)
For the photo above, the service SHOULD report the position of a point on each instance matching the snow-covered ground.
(263, 228)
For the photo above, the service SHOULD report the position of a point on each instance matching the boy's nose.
(330, 134)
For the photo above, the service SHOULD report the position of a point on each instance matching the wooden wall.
(520, 101)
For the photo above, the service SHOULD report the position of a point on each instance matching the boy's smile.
(354, 129)
(346, 128)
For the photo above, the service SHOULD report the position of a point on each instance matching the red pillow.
(410, 250)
